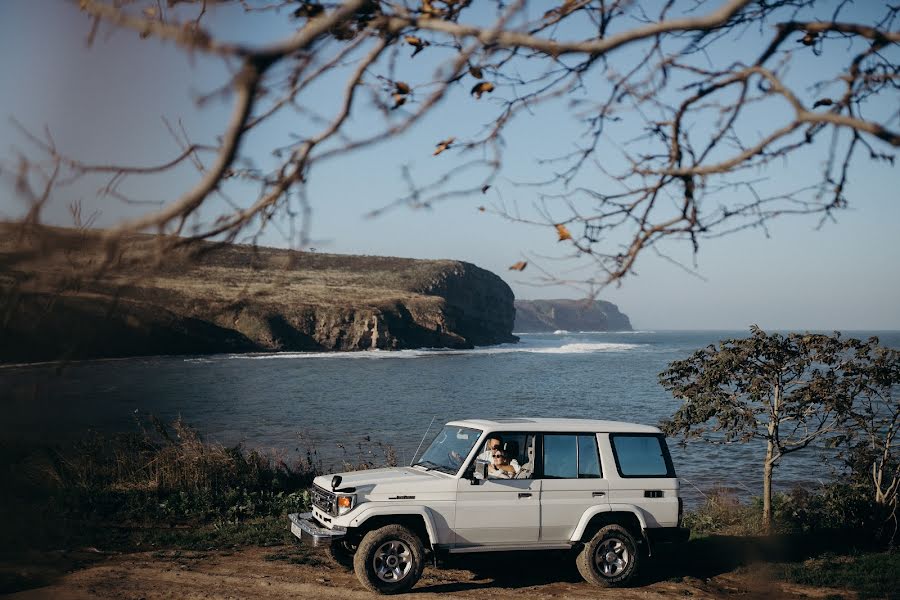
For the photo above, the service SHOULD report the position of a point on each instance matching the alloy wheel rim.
(612, 557)
(392, 561)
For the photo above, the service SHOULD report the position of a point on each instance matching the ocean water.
(346, 404)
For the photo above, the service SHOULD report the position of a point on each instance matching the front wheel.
(610, 558)
(389, 560)
(342, 552)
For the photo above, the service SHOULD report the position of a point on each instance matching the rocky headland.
(67, 295)
(570, 315)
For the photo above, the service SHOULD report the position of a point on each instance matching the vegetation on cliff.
(67, 296)
(569, 315)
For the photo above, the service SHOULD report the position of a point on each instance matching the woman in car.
(501, 467)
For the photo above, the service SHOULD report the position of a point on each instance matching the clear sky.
(105, 104)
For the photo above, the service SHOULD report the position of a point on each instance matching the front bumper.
(309, 531)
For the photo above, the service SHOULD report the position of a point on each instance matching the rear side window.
(588, 458)
(571, 456)
(641, 455)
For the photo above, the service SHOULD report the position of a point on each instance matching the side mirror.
(479, 472)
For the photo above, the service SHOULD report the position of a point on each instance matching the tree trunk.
(769, 465)
(767, 487)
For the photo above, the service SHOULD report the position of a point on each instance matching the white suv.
(605, 489)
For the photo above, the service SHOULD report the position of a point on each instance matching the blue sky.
(105, 104)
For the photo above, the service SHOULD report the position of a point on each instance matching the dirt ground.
(286, 572)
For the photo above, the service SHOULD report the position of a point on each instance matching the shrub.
(838, 506)
(847, 508)
(164, 473)
(723, 513)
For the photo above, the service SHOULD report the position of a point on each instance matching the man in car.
(500, 464)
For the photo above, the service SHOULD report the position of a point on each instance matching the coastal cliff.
(82, 303)
(569, 315)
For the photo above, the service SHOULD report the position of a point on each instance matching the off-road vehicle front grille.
(322, 499)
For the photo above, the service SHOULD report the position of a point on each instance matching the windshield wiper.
(428, 465)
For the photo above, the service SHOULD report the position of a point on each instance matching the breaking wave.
(574, 348)
(584, 348)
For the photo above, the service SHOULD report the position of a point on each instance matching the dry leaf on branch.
(430, 11)
(560, 11)
(399, 100)
(416, 42)
(309, 10)
(481, 209)
(823, 102)
(476, 72)
(563, 233)
(519, 266)
(482, 88)
(402, 89)
(485, 188)
(443, 145)
(809, 39)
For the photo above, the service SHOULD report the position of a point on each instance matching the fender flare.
(607, 508)
(388, 511)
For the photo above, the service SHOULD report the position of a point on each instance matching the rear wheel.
(389, 560)
(610, 558)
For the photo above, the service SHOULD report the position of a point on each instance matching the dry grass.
(163, 476)
(65, 295)
(723, 513)
(48, 259)
(163, 484)
(171, 459)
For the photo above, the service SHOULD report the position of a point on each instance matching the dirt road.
(288, 572)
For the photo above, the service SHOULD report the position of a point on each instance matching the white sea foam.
(614, 332)
(576, 348)
(527, 334)
(584, 348)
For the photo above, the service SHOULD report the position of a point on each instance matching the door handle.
(524, 495)
(598, 494)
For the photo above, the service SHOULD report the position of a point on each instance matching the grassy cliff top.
(43, 258)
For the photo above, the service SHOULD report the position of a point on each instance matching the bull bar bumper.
(309, 531)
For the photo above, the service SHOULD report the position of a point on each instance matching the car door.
(502, 512)
(643, 474)
(571, 482)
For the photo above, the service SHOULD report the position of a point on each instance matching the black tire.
(610, 558)
(389, 560)
(342, 553)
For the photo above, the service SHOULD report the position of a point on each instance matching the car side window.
(641, 455)
(571, 456)
(510, 455)
(588, 457)
(560, 456)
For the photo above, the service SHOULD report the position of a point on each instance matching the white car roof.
(547, 424)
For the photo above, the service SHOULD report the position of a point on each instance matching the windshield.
(449, 449)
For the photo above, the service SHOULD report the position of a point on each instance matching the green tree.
(787, 391)
(871, 436)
